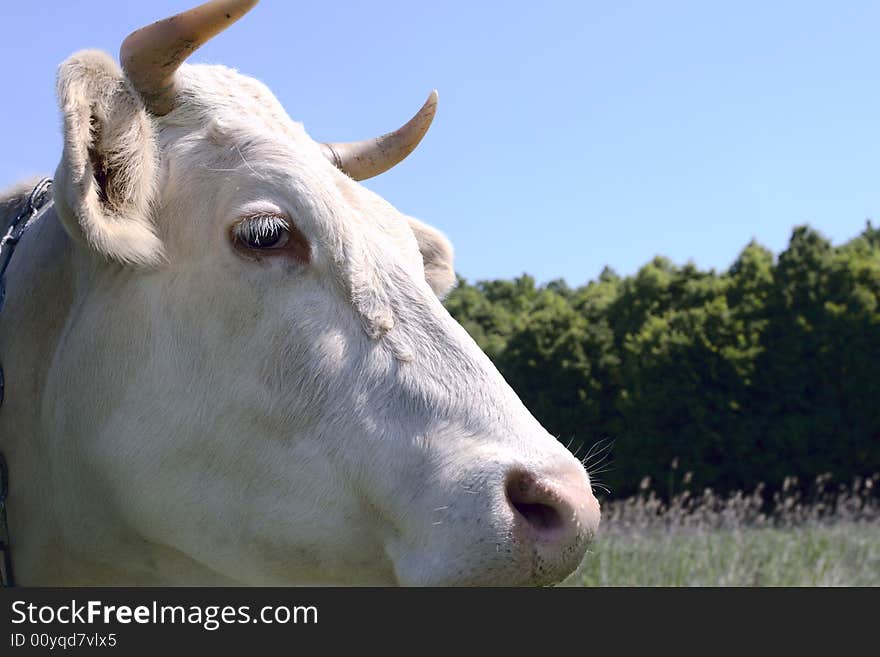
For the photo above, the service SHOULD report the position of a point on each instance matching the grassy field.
(827, 538)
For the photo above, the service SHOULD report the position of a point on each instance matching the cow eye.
(262, 232)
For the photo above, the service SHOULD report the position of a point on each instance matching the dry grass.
(827, 537)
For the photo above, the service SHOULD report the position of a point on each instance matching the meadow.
(827, 536)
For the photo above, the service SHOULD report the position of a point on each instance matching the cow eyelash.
(262, 232)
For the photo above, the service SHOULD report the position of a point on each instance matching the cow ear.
(437, 256)
(105, 185)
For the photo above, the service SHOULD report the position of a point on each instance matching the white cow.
(226, 360)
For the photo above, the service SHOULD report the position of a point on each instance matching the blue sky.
(569, 136)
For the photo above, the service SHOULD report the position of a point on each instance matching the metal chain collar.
(39, 200)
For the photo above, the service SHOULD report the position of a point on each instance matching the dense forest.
(763, 371)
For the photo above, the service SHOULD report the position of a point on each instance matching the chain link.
(39, 200)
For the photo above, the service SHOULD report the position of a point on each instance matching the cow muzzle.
(555, 517)
(554, 510)
(508, 525)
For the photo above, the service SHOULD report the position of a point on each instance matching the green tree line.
(763, 371)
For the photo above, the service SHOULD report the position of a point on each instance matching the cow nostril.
(539, 516)
(552, 516)
(533, 503)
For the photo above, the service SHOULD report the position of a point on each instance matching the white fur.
(104, 121)
(217, 418)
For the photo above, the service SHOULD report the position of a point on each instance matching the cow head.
(262, 380)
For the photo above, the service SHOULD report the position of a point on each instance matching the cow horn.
(365, 159)
(151, 55)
